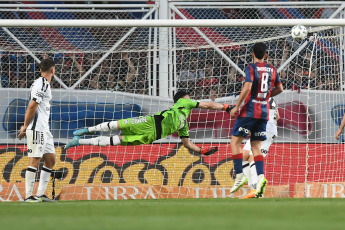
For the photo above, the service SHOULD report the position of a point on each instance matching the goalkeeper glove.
(208, 151)
(228, 108)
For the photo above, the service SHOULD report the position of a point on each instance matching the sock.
(30, 175)
(259, 163)
(104, 127)
(101, 141)
(237, 159)
(44, 180)
(246, 171)
(254, 175)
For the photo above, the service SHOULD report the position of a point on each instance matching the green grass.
(211, 214)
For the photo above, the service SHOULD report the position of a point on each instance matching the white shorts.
(39, 143)
(265, 145)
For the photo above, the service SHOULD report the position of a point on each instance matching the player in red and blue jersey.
(261, 83)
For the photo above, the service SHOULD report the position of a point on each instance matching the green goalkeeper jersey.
(175, 119)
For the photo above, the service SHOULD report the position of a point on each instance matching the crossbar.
(171, 23)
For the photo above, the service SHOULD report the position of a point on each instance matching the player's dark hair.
(179, 94)
(259, 50)
(46, 64)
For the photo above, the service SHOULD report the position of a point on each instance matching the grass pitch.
(210, 214)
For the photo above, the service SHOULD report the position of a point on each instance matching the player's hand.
(208, 151)
(337, 134)
(234, 111)
(22, 132)
(227, 108)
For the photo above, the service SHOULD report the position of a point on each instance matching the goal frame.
(161, 19)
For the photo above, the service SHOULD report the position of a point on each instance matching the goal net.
(111, 73)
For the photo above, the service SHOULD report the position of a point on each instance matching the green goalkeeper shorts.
(138, 130)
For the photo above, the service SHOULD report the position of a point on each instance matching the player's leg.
(259, 132)
(259, 164)
(248, 172)
(240, 130)
(49, 162)
(147, 138)
(253, 174)
(138, 127)
(102, 141)
(35, 153)
(237, 157)
(30, 176)
(266, 144)
(96, 141)
(249, 169)
(103, 127)
(245, 163)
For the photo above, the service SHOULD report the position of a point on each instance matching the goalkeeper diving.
(147, 129)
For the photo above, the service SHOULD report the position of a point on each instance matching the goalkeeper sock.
(246, 171)
(30, 175)
(101, 141)
(259, 163)
(254, 175)
(237, 159)
(44, 180)
(104, 127)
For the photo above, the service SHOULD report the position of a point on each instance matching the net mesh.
(209, 64)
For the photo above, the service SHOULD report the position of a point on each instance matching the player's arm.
(247, 87)
(214, 106)
(277, 90)
(192, 104)
(340, 130)
(277, 115)
(191, 146)
(29, 114)
(278, 86)
(210, 105)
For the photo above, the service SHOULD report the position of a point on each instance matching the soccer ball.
(299, 32)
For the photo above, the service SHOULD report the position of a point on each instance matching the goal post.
(109, 66)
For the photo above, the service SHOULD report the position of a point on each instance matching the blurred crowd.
(117, 72)
(204, 72)
(208, 75)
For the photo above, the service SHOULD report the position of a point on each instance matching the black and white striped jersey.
(40, 92)
(272, 121)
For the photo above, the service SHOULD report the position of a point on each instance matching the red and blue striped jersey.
(264, 77)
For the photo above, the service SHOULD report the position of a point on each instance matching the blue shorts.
(247, 125)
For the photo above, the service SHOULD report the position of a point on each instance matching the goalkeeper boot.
(74, 142)
(32, 199)
(44, 198)
(262, 183)
(250, 194)
(80, 132)
(239, 182)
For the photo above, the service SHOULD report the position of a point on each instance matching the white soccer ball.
(299, 32)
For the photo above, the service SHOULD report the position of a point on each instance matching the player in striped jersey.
(257, 89)
(249, 169)
(36, 128)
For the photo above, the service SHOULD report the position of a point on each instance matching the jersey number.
(264, 84)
